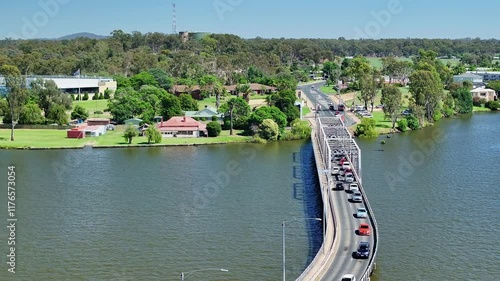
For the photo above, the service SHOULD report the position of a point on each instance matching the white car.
(361, 213)
(349, 177)
(335, 170)
(346, 165)
(348, 277)
(356, 197)
(353, 187)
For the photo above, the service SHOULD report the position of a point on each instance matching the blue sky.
(252, 18)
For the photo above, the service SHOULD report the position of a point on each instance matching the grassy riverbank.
(39, 139)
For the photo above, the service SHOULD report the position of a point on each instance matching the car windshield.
(364, 226)
(361, 210)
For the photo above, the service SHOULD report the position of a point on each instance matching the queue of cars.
(346, 181)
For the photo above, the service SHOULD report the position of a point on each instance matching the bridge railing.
(346, 144)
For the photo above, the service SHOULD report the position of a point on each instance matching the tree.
(332, 71)
(107, 94)
(369, 84)
(31, 114)
(494, 85)
(79, 112)
(17, 95)
(366, 129)
(153, 135)
(170, 106)
(392, 101)
(57, 114)
(268, 112)
(4, 107)
(234, 109)
(285, 102)
(403, 125)
(188, 103)
(427, 91)
(130, 133)
(48, 94)
(85, 96)
(142, 78)
(126, 103)
(213, 129)
(462, 100)
(301, 129)
(245, 90)
(269, 130)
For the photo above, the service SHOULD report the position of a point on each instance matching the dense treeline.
(222, 55)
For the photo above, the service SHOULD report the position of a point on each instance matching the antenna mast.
(174, 20)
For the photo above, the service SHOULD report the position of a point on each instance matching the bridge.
(332, 142)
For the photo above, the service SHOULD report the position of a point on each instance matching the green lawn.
(382, 126)
(38, 138)
(480, 109)
(305, 110)
(92, 106)
(25, 138)
(328, 90)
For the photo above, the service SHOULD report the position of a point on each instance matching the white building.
(488, 76)
(74, 84)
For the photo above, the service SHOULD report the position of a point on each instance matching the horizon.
(390, 19)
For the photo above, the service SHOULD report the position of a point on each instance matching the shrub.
(98, 112)
(475, 101)
(413, 122)
(437, 116)
(95, 97)
(101, 96)
(107, 94)
(85, 96)
(79, 113)
(493, 105)
(269, 130)
(366, 129)
(402, 125)
(215, 118)
(214, 129)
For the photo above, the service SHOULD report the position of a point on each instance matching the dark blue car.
(363, 251)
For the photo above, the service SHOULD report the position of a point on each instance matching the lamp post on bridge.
(188, 273)
(283, 238)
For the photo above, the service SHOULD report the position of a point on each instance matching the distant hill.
(82, 34)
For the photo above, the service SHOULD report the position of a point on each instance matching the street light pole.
(283, 224)
(183, 275)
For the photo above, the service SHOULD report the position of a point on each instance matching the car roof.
(364, 243)
(364, 224)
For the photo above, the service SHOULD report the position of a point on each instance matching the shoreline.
(120, 146)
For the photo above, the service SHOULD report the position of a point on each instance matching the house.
(254, 87)
(182, 126)
(194, 91)
(482, 93)
(98, 121)
(86, 131)
(205, 113)
(133, 121)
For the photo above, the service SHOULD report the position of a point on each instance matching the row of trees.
(428, 78)
(222, 55)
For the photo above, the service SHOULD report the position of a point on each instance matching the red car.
(364, 229)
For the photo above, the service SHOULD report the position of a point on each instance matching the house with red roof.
(182, 126)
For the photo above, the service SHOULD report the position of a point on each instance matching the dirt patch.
(257, 103)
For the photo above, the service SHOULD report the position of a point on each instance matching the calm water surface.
(435, 194)
(149, 214)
